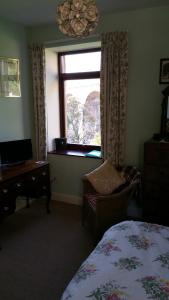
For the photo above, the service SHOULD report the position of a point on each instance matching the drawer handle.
(44, 173)
(33, 178)
(5, 191)
(18, 184)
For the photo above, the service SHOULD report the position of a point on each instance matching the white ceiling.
(37, 12)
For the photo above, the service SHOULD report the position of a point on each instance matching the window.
(79, 90)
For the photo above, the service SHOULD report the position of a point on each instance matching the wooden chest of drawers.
(156, 182)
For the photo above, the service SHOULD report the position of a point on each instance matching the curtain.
(37, 54)
(113, 102)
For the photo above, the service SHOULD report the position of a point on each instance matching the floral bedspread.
(130, 262)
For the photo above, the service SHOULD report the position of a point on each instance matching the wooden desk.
(30, 179)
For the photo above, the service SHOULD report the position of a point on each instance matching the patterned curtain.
(37, 54)
(114, 78)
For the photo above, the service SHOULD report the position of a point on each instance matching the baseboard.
(71, 199)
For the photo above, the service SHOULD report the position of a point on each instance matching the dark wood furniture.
(156, 182)
(30, 179)
(164, 114)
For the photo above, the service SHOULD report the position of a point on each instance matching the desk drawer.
(7, 199)
(38, 182)
(19, 186)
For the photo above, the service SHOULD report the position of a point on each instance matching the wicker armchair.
(102, 211)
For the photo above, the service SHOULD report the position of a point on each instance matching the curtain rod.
(65, 40)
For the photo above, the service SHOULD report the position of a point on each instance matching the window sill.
(73, 152)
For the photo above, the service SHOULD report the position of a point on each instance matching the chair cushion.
(105, 179)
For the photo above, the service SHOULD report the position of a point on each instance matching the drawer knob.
(18, 184)
(44, 173)
(33, 178)
(5, 191)
(44, 187)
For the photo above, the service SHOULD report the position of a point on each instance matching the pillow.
(105, 179)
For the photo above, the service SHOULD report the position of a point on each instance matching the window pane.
(82, 62)
(82, 105)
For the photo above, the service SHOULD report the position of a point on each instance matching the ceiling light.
(77, 17)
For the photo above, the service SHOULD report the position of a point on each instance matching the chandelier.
(77, 18)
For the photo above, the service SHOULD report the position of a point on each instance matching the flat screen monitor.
(15, 152)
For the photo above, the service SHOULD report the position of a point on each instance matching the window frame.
(73, 76)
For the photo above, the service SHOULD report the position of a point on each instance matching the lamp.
(77, 18)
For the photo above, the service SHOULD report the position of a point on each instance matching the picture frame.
(164, 71)
(9, 78)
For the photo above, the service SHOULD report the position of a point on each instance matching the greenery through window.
(79, 78)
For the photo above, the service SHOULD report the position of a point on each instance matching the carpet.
(41, 252)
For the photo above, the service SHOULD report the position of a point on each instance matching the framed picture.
(9, 77)
(164, 70)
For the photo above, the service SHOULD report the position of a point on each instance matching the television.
(15, 152)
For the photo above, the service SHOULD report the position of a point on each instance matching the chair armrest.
(131, 188)
(87, 186)
(116, 200)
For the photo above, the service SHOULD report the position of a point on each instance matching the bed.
(130, 262)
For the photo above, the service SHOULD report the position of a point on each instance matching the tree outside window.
(80, 96)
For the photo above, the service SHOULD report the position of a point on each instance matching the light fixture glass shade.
(77, 17)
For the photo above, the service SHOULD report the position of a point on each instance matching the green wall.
(148, 42)
(67, 171)
(15, 113)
